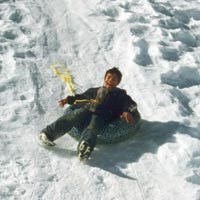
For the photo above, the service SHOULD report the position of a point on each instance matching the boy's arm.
(88, 94)
(129, 105)
(129, 109)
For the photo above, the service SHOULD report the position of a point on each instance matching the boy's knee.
(96, 122)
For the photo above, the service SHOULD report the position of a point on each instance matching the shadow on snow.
(150, 137)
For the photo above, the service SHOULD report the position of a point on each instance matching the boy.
(92, 110)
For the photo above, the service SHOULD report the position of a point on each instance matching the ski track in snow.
(155, 43)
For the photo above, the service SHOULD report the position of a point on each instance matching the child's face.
(111, 81)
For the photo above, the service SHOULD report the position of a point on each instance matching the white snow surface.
(156, 45)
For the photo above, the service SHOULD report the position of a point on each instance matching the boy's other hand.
(62, 102)
(127, 116)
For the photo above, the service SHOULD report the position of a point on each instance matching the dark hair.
(116, 71)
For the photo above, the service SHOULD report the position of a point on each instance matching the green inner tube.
(114, 132)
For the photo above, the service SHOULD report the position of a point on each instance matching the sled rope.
(63, 73)
(86, 101)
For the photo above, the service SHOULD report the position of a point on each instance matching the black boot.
(84, 150)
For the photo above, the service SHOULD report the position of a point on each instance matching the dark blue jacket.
(114, 104)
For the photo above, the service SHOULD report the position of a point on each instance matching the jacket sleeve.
(88, 94)
(129, 105)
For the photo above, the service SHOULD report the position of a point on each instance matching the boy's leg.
(65, 123)
(89, 136)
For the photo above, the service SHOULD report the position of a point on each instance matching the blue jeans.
(82, 119)
(89, 134)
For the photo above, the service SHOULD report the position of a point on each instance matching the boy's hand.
(127, 116)
(62, 102)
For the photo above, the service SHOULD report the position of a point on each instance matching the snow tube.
(114, 132)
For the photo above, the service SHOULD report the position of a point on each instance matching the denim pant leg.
(65, 123)
(89, 134)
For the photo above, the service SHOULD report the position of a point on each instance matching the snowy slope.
(155, 43)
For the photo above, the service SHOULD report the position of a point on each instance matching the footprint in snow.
(172, 24)
(25, 30)
(138, 30)
(187, 38)
(137, 19)
(16, 16)
(24, 55)
(183, 78)
(126, 6)
(164, 9)
(169, 53)
(2, 1)
(195, 178)
(10, 34)
(143, 57)
(184, 102)
(111, 13)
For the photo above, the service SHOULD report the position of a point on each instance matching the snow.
(156, 45)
